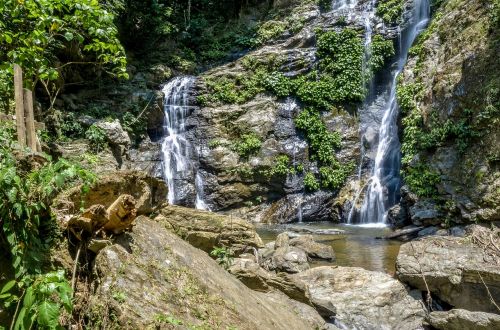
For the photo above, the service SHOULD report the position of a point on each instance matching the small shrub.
(310, 182)
(97, 138)
(247, 145)
(223, 255)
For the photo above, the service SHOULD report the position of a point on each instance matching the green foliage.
(223, 255)
(281, 167)
(270, 30)
(380, 51)
(237, 89)
(422, 180)
(310, 182)
(277, 83)
(167, 319)
(40, 36)
(247, 145)
(325, 5)
(43, 300)
(70, 127)
(334, 176)
(321, 141)
(390, 11)
(97, 138)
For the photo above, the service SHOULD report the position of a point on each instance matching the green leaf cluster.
(247, 145)
(45, 297)
(97, 138)
(390, 11)
(44, 36)
(223, 255)
(380, 51)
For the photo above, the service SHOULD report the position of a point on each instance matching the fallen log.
(121, 214)
(90, 221)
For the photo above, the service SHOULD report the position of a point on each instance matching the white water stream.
(383, 185)
(176, 149)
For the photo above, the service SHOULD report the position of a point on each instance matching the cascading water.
(383, 186)
(176, 149)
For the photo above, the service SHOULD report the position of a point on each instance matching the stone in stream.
(456, 270)
(150, 274)
(362, 299)
(313, 249)
(460, 319)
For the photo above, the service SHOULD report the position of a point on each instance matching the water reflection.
(358, 247)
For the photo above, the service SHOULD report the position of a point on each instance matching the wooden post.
(30, 120)
(18, 95)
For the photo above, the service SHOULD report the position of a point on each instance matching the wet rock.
(287, 259)
(459, 319)
(206, 230)
(150, 272)
(312, 248)
(362, 299)
(318, 206)
(316, 231)
(397, 216)
(455, 270)
(405, 234)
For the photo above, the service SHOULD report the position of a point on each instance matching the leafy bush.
(380, 51)
(334, 176)
(422, 180)
(390, 11)
(247, 145)
(42, 302)
(223, 255)
(310, 182)
(321, 141)
(270, 30)
(97, 138)
(325, 5)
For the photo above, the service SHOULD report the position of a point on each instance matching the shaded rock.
(206, 230)
(405, 234)
(454, 269)
(312, 248)
(316, 231)
(362, 299)
(460, 319)
(147, 191)
(425, 213)
(151, 273)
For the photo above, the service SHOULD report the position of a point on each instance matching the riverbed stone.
(460, 271)
(460, 319)
(360, 299)
(151, 273)
(312, 248)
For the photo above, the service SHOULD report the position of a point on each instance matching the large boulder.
(147, 191)
(312, 248)
(460, 319)
(362, 299)
(206, 230)
(284, 258)
(151, 278)
(248, 271)
(456, 270)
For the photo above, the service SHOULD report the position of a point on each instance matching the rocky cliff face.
(251, 157)
(449, 95)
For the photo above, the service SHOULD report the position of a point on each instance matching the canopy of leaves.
(44, 36)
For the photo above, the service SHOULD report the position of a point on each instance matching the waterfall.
(176, 150)
(383, 186)
(200, 193)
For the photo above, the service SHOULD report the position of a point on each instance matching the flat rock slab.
(152, 276)
(362, 299)
(460, 319)
(456, 270)
(316, 231)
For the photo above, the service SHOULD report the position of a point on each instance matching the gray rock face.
(456, 270)
(114, 133)
(206, 230)
(460, 319)
(151, 273)
(362, 299)
(313, 249)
